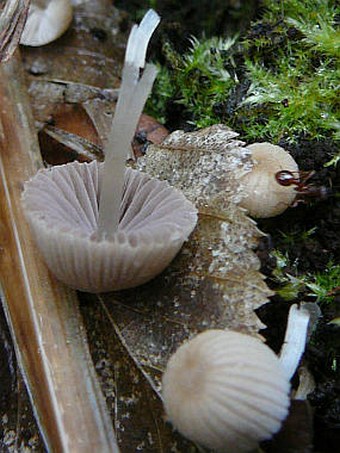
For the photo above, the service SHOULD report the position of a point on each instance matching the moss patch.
(279, 80)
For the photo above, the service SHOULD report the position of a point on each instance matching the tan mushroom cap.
(47, 20)
(225, 391)
(265, 196)
(61, 204)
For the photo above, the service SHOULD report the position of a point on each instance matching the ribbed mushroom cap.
(225, 391)
(47, 20)
(265, 196)
(61, 204)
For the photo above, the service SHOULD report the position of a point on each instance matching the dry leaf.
(85, 63)
(214, 282)
(136, 410)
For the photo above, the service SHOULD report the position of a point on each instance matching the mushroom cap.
(265, 196)
(61, 205)
(226, 391)
(47, 20)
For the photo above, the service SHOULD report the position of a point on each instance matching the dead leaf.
(135, 407)
(213, 283)
(215, 280)
(148, 131)
(18, 425)
(85, 63)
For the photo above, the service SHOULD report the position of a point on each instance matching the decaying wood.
(12, 21)
(43, 315)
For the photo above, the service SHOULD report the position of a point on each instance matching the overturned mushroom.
(226, 391)
(47, 20)
(265, 197)
(103, 227)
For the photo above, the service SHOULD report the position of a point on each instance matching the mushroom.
(226, 391)
(47, 20)
(103, 227)
(264, 196)
(295, 337)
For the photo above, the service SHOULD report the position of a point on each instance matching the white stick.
(295, 339)
(133, 94)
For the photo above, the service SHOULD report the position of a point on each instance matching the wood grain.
(43, 315)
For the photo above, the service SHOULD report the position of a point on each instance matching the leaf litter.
(213, 283)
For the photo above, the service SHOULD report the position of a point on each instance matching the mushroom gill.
(61, 205)
(226, 391)
(103, 227)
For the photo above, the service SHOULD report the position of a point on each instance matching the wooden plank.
(43, 315)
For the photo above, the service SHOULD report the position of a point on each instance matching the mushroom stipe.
(103, 227)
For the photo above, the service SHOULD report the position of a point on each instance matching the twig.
(43, 315)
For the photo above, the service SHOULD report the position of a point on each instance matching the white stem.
(133, 94)
(295, 339)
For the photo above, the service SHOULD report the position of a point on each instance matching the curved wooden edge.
(43, 315)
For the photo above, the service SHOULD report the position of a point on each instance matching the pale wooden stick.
(43, 314)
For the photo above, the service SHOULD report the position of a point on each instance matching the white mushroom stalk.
(134, 92)
(295, 340)
(105, 227)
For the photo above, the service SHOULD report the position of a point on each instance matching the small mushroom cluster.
(103, 227)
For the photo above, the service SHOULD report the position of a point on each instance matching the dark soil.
(214, 17)
(320, 212)
(310, 256)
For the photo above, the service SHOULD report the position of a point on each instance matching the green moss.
(196, 81)
(288, 285)
(287, 81)
(293, 65)
(322, 285)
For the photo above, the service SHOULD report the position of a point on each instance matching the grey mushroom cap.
(226, 391)
(61, 205)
